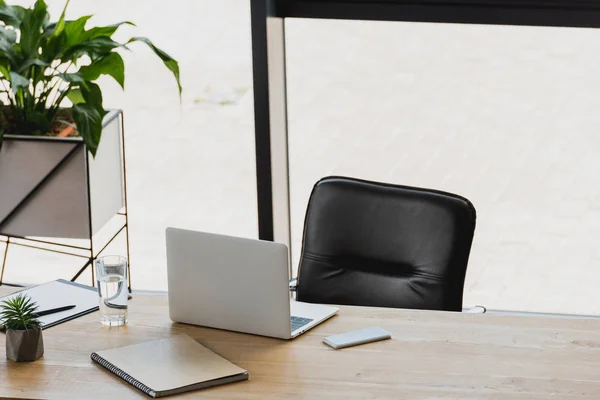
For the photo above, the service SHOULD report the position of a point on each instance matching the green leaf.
(169, 61)
(18, 81)
(75, 96)
(1, 136)
(93, 96)
(31, 28)
(30, 63)
(74, 31)
(75, 40)
(60, 25)
(4, 70)
(8, 38)
(105, 31)
(89, 124)
(8, 35)
(11, 15)
(69, 36)
(112, 65)
(73, 78)
(94, 48)
(88, 116)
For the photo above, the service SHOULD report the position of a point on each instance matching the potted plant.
(58, 178)
(23, 332)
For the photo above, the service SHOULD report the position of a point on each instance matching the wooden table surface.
(432, 355)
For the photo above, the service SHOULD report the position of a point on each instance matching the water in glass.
(112, 289)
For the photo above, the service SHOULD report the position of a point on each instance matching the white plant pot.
(52, 187)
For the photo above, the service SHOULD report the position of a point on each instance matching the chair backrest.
(374, 244)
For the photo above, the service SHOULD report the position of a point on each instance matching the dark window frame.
(268, 51)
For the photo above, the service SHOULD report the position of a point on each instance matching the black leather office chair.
(375, 244)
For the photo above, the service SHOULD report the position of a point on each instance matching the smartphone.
(355, 338)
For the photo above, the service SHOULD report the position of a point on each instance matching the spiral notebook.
(169, 366)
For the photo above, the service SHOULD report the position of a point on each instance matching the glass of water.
(111, 274)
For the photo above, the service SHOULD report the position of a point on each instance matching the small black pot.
(24, 345)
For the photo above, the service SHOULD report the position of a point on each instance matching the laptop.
(236, 284)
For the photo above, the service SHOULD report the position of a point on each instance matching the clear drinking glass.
(111, 275)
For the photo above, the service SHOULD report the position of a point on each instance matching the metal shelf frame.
(92, 250)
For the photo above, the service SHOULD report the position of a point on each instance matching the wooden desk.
(432, 355)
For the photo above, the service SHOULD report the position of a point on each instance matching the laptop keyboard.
(298, 322)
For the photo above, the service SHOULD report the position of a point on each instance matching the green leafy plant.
(18, 313)
(44, 63)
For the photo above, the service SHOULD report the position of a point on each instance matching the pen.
(45, 312)
(54, 310)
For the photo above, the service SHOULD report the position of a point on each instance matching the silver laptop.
(237, 284)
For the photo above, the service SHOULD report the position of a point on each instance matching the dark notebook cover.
(61, 293)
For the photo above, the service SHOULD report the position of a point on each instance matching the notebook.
(169, 366)
(61, 293)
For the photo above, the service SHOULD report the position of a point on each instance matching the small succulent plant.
(18, 313)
